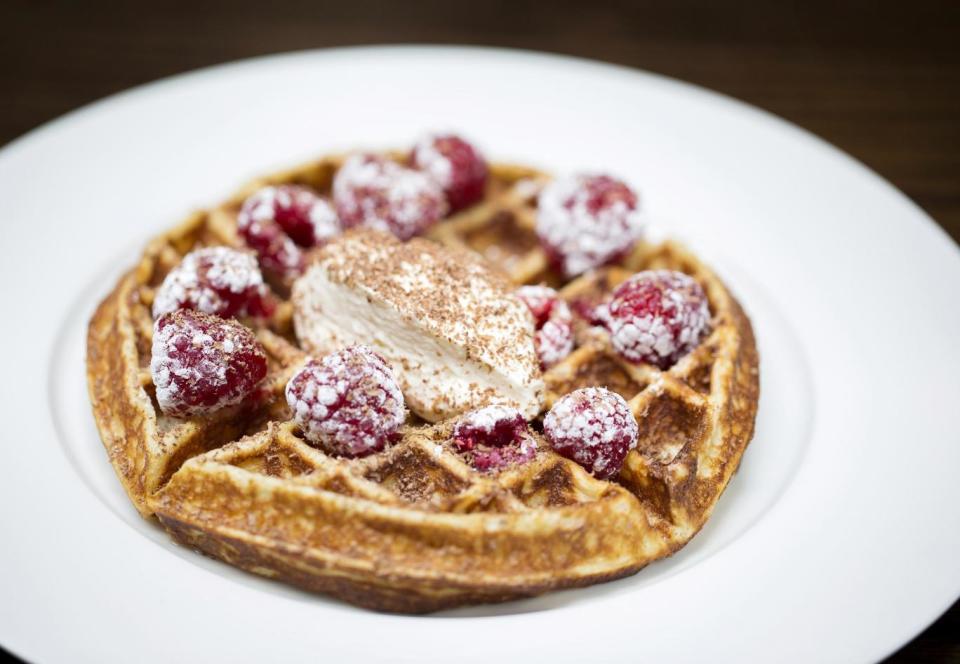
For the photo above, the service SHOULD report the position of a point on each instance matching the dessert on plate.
(417, 380)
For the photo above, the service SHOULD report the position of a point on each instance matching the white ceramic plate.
(839, 538)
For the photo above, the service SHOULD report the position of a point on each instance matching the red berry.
(594, 427)
(541, 301)
(657, 316)
(215, 280)
(587, 221)
(348, 402)
(494, 437)
(276, 252)
(373, 191)
(554, 342)
(456, 165)
(553, 320)
(201, 363)
(592, 312)
(276, 221)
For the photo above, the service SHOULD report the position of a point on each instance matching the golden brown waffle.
(414, 528)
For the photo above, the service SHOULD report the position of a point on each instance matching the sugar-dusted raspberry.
(542, 301)
(593, 312)
(657, 316)
(215, 280)
(301, 213)
(348, 402)
(494, 437)
(455, 164)
(554, 342)
(277, 220)
(586, 221)
(553, 320)
(201, 363)
(594, 427)
(370, 190)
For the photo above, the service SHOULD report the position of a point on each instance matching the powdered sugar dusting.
(276, 221)
(494, 437)
(554, 336)
(594, 427)
(324, 220)
(657, 316)
(202, 363)
(306, 217)
(586, 221)
(456, 165)
(483, 420)
(428, 158)
(554, 342)
(347, 402)
(375, 192)
(214, 280)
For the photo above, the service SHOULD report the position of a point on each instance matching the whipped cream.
(450, 328)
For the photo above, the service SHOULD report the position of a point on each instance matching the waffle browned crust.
(414, 528)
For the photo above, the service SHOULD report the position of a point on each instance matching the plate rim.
(23, 143)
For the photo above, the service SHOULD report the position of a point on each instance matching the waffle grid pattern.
(414, 528)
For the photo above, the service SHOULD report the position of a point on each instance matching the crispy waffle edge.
(405, 557)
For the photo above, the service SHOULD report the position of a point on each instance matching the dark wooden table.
(879, 80)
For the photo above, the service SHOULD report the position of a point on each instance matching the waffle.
(413, 528)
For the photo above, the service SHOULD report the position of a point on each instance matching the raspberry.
(494, 437)
(554, 323)
(594, 427)
(348, 402)
(455, 165)
(592, 312)
(541, 301)
(373, 191)
(657, 316)
(201, 363)
(586, 221)
(215, 280)
(276, 221)
(275, 250)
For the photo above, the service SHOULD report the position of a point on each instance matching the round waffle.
(413, 528)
